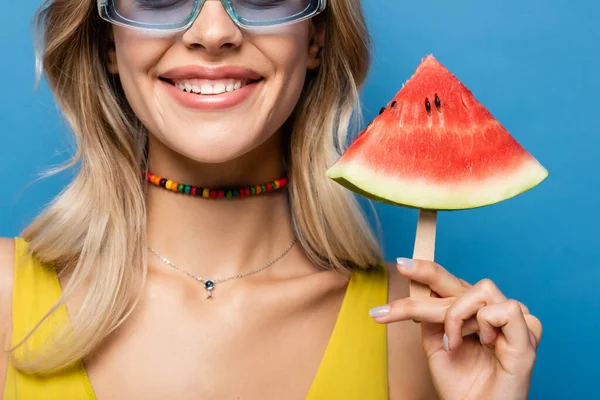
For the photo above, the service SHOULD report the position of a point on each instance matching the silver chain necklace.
(209, 284)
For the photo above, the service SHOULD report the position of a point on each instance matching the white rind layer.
(451, 196)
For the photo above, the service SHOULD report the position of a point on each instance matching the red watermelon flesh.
(434, 146)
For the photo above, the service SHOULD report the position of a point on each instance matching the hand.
(479, 344)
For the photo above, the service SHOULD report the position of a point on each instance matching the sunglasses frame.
(108, 13)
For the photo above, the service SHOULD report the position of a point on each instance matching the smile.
(211, 88)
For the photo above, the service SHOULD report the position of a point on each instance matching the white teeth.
(219, 88)
(208, 87)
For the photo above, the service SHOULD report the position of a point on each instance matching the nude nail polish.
(380, 311)
(446, 343)
(406, 262)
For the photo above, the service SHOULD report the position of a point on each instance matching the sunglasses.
(177, 15)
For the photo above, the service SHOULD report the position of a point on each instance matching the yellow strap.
(36, 289)
(355, 363)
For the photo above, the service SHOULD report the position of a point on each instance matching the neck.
(221, 237)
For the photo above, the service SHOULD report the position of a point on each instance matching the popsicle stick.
(424, 248)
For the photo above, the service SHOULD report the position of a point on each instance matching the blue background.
(535, 64)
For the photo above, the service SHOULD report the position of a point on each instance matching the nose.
(213, 30)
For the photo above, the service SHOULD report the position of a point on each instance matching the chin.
(213, 157)
(212, 147)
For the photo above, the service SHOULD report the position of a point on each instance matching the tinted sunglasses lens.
(154, 12)
(274, 10)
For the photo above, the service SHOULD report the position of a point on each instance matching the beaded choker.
(215, 193)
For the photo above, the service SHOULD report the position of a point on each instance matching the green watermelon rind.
(424, 195)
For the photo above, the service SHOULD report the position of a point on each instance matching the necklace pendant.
(209, 286)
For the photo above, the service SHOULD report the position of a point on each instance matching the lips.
(211, 88)
(210, 80)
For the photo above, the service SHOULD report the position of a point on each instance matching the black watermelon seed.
(438, 102)
(394, 104)
(382, 110)
(428, 106)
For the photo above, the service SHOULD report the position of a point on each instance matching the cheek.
(288, 55)
(137, 56)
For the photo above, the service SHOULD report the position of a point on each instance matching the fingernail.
(380, 311)
(406, 262)
(445, 343)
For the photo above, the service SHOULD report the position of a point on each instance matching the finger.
(427, 309)
(535, 329)
(487, 332)
(433, 275)
(431, 310)
(485, 292)
(470, 327)
(431, 335)
(524, 308)
(432, 294)
(508, 316)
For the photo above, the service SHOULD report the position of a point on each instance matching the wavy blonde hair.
(96, 228)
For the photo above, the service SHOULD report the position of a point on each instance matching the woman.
(200, 251)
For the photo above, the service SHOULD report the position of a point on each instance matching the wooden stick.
(424, 248)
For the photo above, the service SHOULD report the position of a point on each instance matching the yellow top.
(354, 365)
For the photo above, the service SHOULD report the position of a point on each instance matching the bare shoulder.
(409, 376)
(7, 259)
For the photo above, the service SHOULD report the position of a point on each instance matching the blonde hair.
(95, 229)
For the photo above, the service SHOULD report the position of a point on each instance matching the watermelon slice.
(435, 147)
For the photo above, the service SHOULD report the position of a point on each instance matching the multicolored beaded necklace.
(218, 193)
